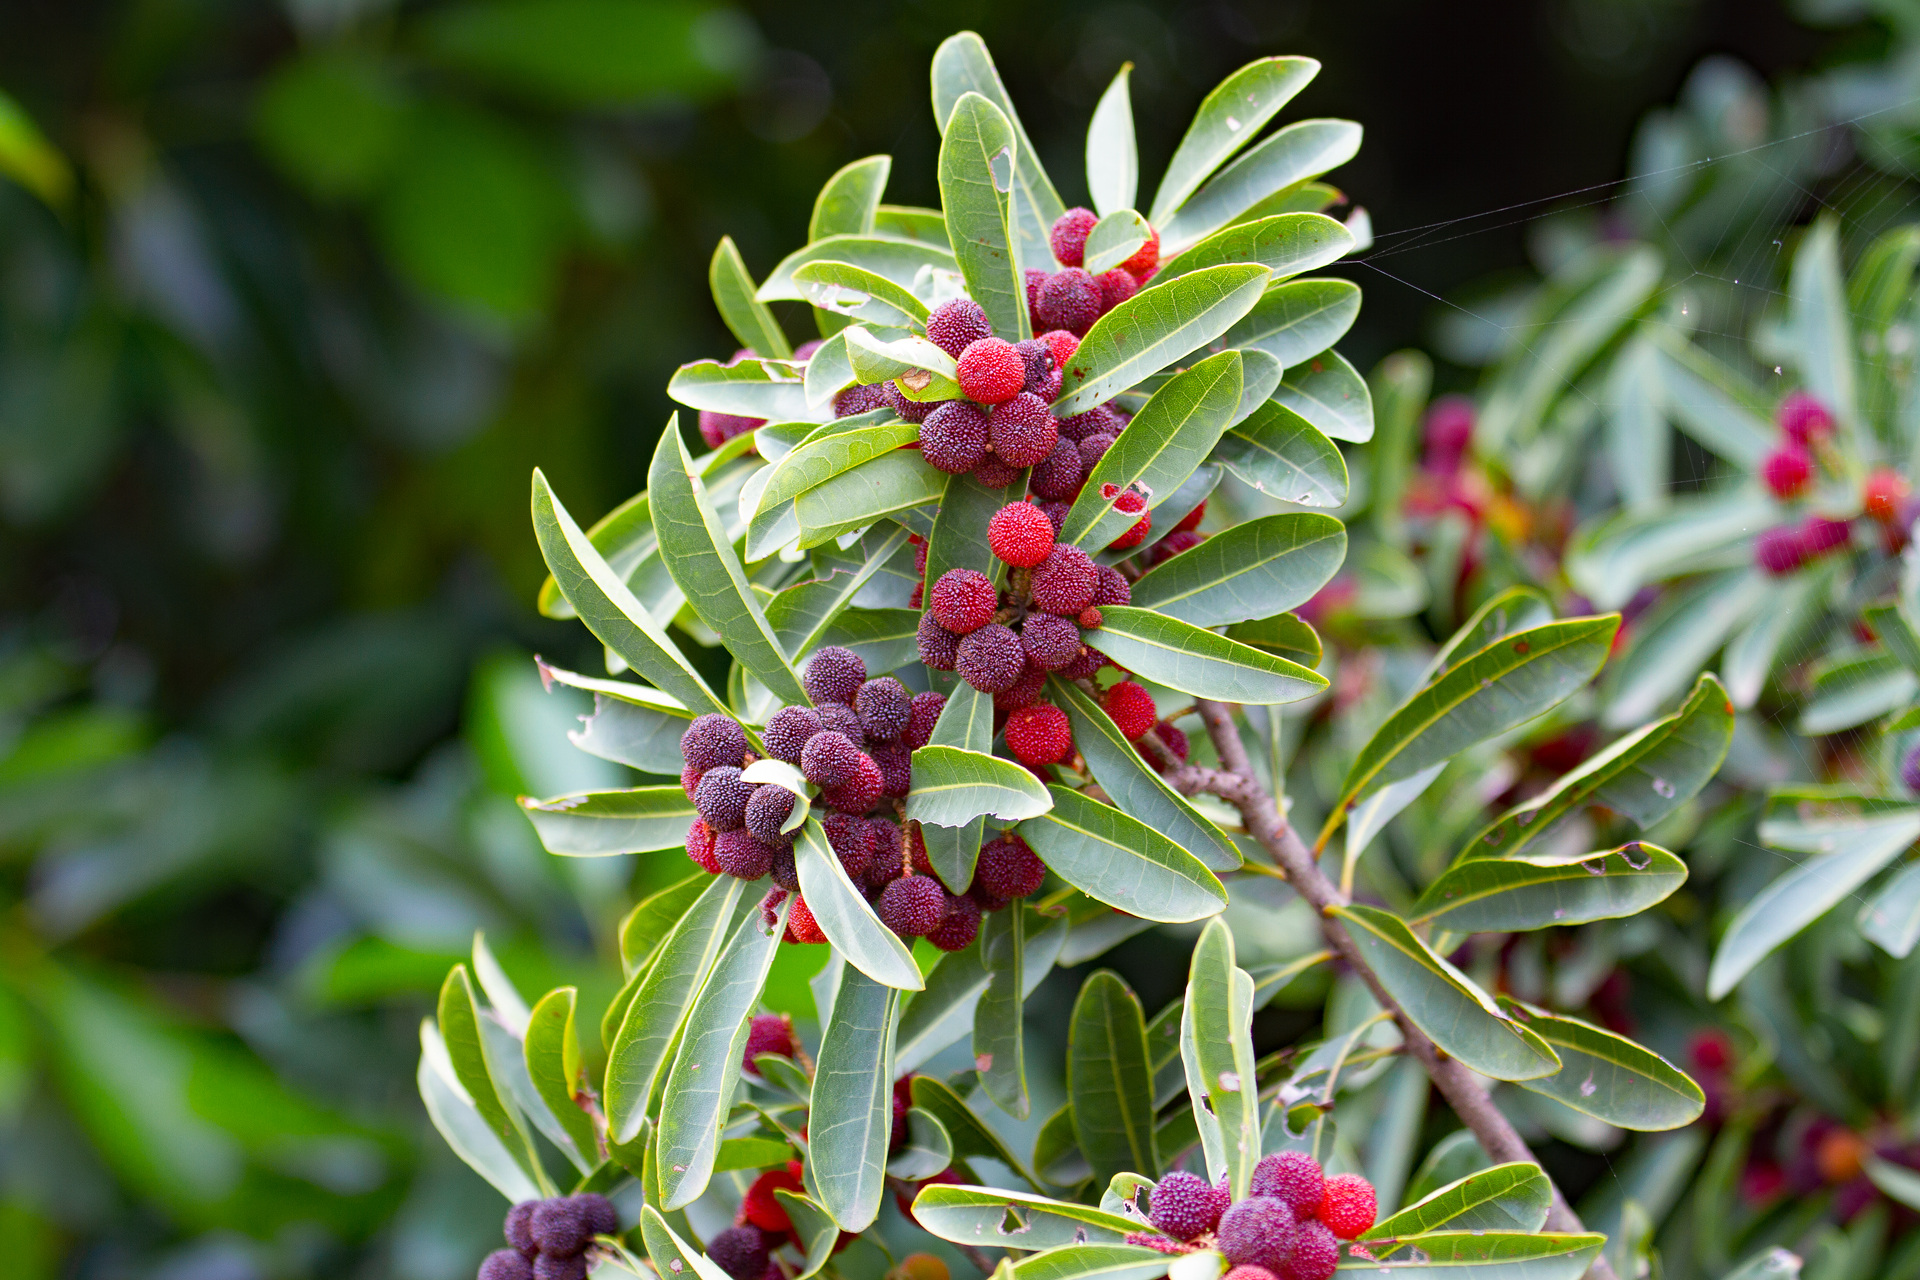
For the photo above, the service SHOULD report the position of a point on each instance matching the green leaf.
(1676, 639)
(752, 388)
(632, 732)
(1331, 395)
(1231, 116)
(1611, 560)
(1638, 442)
(1818, 319)
(1292, 155)
(1504, 685)
(609, 609)
(1506, 612)
(1848, 844)
(1155, 327)
(1515, 894)
(909, 222)
(895, 259)
(1296, 318)
(805, 612)
(659, 1007)
(1503, 1197)
(553, 1064)
(1108, 1079)
(652, 920)
(1172, 434)
(1182, 656)
(1486, 1255)
(814, 1227)
(672, 1256)
(970, 1137)
(1897, 1181)
(943, 1014)
(1712, 402)
(979, 1217)
(1115, 238)
(850, 1115)
(890, 483)
(1284, 456)
(978, 159)
(1113, 160)
(1645, 776)
(1890, 623)
(1216, 1049)
(467, 1132)
(706, 1071)
(999, 1050)
(1249, 571)
(847, 290)
(752, 1153)
(952, 786)
(885, 639)
(1442, 1001)
(1610, 1077)
(591, 824)
(1283, 634)
(1117, 766)
(847, 919)
(962, 65)
(752, 325)
(460, 1032)
(965, 723)
(1119, 860)
(1286, 244)
(818, 460)
(848, 202)
(1087, 1261)
(1891, 920)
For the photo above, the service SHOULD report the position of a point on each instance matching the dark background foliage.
(331, 277)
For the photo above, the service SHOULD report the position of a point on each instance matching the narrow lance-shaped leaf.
(553, 1063)
(1119, 860)
(848, 202)
(850, 1114)
(884, 486)
(1608, 1076)
(1253, 570)
(1442, 1001)
(470, 1136)
(1229, 117)
(1891, 919)
(952, 786)
(1305, 149)
(746, 316)
(1287, 244)
(943, 1014)
(1295, 318)
(460, 1032)
(596, 823)
(816, 461)
(1329, 393)
(857, 292)
(1154, 328)
(748, 387)
(961, 65)
(978, 159)
(1108, 1079)
(1216, 1047)
(814, 1228)
(1817, 312)
(1502, 1197)
(1203, 663)
(980, 1217)
(898, 260)
(1091, 1262)
(1486, 1255)
(845, 916)
(999, 1049)
(804, 613)
(609, 609)
(702, 560)
(1284, 456)
(1113, 159)
(1511, 895)
(706, 1071)
(1115, 238)
(970, 1137)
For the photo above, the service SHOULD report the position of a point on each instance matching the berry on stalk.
(1293, 1176)
(834, 674)
(1145, 259)
(912, 906)
(1910, 771)
(519, 1227)
(1315, 1256)
(1185, 1205)
(760, 1207)
(711, 740)
(801, 926)
(956, 325)
(1062, 344)
(922, 714)
(506, 1264)
(1051, 642)
(738, 854)
(1820, 535)
(560, 1227)
(996, 473)
(991, 371)
(700, 839)
(1070, 300)
(1068, 235)
(1065, 582)
(939, 647)
(1780, 549)
(768, 808)
(1060, 473)
(1116, 286)
(1258, 1231)
(829, 759)
(1804, 419)
(1008, 868)
(1039, 734)
(963, 600)
(1131, 708)
(861, 399)
(959, 927)
(722, 798)
(881, 704)
(1020, 534)
(787, 732)
(1022, 431)
(953, 438)
(908, 410)
(990, 659)
(858, 793)
(741, 1251)
(1130, 502)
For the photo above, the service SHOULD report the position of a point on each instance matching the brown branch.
(1237, 784)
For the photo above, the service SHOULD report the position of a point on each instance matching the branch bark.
(1237, 784)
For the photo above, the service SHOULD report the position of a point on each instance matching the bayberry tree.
(999, 678)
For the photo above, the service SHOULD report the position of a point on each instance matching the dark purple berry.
(913, 906)
(1008, 868)
(741, 1252)
(848, 838)
(722, 798)
(990, 659)
(767, 809)
(829, 759)
(1022, 430)
(788, 730)
(840, 718)
(1051, 642)
(1293, 1176)
(996, 473)
(1060, 473)
(1099, 420)
(506, 1264)
(1183, 1206)
(1113, 587)
(560, 1228)
(711, 740)
(923, 713)
(834, 674)
(953, 438)
(783, 872)
(909, 410)
(956, 325)
(938, 646)
(1910, 770)
(1070, 300)
(1065, 582)
(1258, 1231)
(959, 927)
(860, 399)
(520, 1227)
(882, 706)
(549, 1267)
(884, 843)
(896, 767)
(739, 854)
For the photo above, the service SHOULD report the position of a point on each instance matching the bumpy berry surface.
(1910, 771)
(1130, 502)
(1068, 235)
(717, 428)
(881, 705)
(1039, 734)
(990, 659)
(519, 1227)
(995, 473)
(953, 438)
(1050, 642)
(1020, 534)
(602, 1218)
(1070, 300)
(895, 759)
(1113, 587)
(761, 1208)
(553, 1267)
(1183, 1205)
(1086, 665)
(767, 808)
(909, 410)
(1022, 431)
(1116, 286)
(1804, 419)
(1293, 1176)
(1787, 470)
(858, 793)
(959, 927)
(1065, 582)
(1132, 709)
(1249, 1272)
(1348, 1207)
(739, 854)
(788, 730)
(1039, 358)
(783, 872)
(956, 325)
(833, 674)
(1315, 1256)
(1023, 692)
(768, 1033)
(912, 906)
(887, 842)
(722, 798)
(505, 1264)
(991, 371)
(1008, 868)
(1173, 544)
(1259, 1230)
(922, 715)
(801, 924)
(560, 1227)
(1032, 280)
(711, 740)
(740, 1251)
(1093, 448)
(1780, 549)
(1174, 739)
(1192, 519)
(1099, 420)
(1062, 344)
(838, 717)
(1059, 474)
(963, 600)
(829, 759)
(938, 646)
(861, 399)
(847, 837)
(700, 849)
(1146, 258)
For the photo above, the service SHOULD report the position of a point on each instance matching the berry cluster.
(550, 1238)
(760, 1226)
(1806, 428)
(1072, 298)
(1288, 1228)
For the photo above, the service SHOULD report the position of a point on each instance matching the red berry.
(1065, 582)
(1146, 258)
(1447, 433)
(922, 714)
(1050, 642)
(1070, 300)
(700, 847)
(1131, 708)
(896, 767)
(1293, 1176)
(1060, 474)
(767, 1033)
(991, 371)
(955, 325)
(1116, 286)
(964, 600)
(1780, 550)
(1032, 280)
(1191, 521)
(1062, 344)
(1022, 431)
(1820, 535)
(1883, 495)
(1008, 868)
(1804, 419)
(858, 793)
(851, 842)
(1249, 1272)
(801, 926)
(1315, 1256)
(717, 428)
(1348, 1206)
(912, 906)
(1130, 502)
(1068, 235)
(1020, 534)
(990, 659)
(1114, 587)
(1039, 734)
(1173, 544)
(760, 1207)
(742, 856)
(953, 438)
(995, 473)
(1787, 470)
